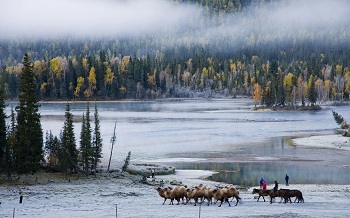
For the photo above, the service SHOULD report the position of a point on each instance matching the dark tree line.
(21, 140)
(21, 147)
(277, 70)
(146, 77)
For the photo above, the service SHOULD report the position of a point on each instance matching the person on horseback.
(261, 182)
(264, 185)
(275, 189)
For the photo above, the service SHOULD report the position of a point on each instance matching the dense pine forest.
(261, 49)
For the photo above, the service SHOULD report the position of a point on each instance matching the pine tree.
(338, 118)
(52, 148)
(3, 139)
(274, 82)
(10, 144)
(28, 150)
(97, 140)
(126, 162)
(312, 95)
(85, 142)
(69, 151)
(281, 94)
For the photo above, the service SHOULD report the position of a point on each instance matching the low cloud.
(48, 18)
(175, 23)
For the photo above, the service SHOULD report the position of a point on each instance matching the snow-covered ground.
(325, 141)
(116, 196)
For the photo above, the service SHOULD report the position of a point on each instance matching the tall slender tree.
(274, 82)
(312, 95)
(3, 139)
(69, 151)
(85, 142)
(10, 144)
(28, 150)
(97, 140)
(52, 148)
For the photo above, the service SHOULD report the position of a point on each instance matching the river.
(222, 135)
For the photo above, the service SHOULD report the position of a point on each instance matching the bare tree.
(113, 139)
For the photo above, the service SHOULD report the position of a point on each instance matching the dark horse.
(261, 192)
(294, 193)
(280, 193)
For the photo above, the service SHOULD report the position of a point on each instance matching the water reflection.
(271, 160)
(217, 130)
(249, 174)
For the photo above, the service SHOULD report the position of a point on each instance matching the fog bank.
(176, 23)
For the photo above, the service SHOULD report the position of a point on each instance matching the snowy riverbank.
(126, 196)
(324, 141)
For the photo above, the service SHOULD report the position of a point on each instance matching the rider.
(261, 182)
(275, 189)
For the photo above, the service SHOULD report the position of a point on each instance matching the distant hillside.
(278, 52)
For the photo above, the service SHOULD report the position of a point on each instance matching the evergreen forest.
(252, 48)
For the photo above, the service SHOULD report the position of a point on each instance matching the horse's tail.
(301, 198)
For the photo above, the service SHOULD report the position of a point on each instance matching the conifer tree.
(338, 118)
(281, 94)
(126, 162)
(28, 150)
(85, 142)
(52, 148)
(274, 82)
(312, 95)
(3, 140)
(97, 140)
(69, 151)
(10, 144)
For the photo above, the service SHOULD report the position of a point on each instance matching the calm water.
(241, 144)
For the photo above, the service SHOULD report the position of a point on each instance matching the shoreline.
(333, 141)
(100, 197)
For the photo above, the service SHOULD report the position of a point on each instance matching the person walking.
(153, 171)
(287, 180)
(20, 196)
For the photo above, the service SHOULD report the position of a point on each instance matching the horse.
(261, 192)
(294, 193)
(280, 193)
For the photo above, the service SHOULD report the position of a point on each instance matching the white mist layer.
(172, 23)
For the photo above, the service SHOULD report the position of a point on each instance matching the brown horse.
(294, 193)
(261, 193)
(280, 193)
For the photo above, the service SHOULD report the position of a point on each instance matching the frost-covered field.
(125, 198)
(117, 196)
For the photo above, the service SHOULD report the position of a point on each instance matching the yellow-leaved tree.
(85, 64)
(56, 66)
(80, 82)
(109, 78)
(288, 87)
(328, 87)
(347, 79)
(92, 83)
(257, 94)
